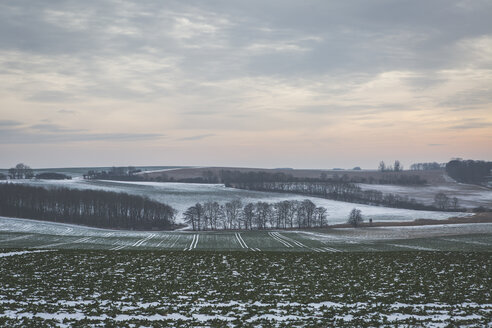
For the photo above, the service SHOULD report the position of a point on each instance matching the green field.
(250, 241)
(241, 289)
(55, 274)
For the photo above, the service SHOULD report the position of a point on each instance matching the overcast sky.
(305, 84)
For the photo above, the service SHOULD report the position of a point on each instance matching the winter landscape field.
(239, 289)
(183, 195)
(246, 163)
(31, 234)
(395, 273)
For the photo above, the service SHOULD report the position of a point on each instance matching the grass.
(272, 289)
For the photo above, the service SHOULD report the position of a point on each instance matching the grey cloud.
(197, 137)
(223, 40)
(435, 145)
(468, 99)
(201, 112)
(9, 123)
(337, 37)
(52, 96)
(24, 136)
(53, 128)
(471, 125)
(66, 111)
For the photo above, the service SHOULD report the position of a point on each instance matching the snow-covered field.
(237, 289)
(32, 234)
(183, 195)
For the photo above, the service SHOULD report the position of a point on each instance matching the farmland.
(56, 274)
(31, 234)
(131, 288)
(183, 195)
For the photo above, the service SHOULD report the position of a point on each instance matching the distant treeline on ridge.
(232, 176)
(469, 171)
(94, 208)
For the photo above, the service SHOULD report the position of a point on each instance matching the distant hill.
(200, 174)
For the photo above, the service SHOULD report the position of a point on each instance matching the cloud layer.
(281, 83)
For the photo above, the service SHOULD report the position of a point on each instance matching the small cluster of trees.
(21, 171)
(427, 166)
(255, 216)
(397, 167)
(443, 202)
(87, 207)
(469, 171)
(125, 173)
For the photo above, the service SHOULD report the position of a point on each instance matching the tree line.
(86, 207)
(427, 166)
(23, 171)
(229, 177)
(397, 167)
(347, 192)
(470, 171)
(125, 173)
(235, 215)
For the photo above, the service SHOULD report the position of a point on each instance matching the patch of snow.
(20, 253)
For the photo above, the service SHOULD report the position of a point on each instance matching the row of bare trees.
(397, 167)
(235, 215)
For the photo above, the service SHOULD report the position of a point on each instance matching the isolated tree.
(382, 166)
(355, 217)
(441, 200)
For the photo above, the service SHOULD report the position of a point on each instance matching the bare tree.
(320, 213)
(397, 167)
(233, 214)
(248, 215)
(455, 202)
(190, 218)
(309, 208)
(382, 166)
(212, 214)
(355, 217)
(21, 171)
(441, 200)
(263, 212)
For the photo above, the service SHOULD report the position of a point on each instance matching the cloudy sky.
(305, 84)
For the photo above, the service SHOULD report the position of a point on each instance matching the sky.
(302, 84)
